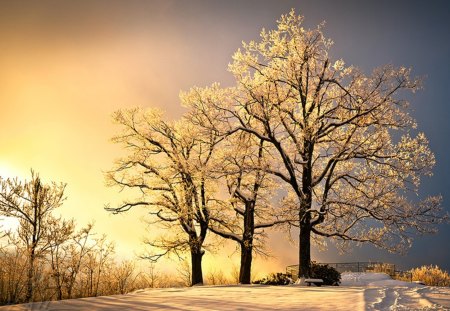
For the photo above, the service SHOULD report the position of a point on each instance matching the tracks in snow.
(387, 298)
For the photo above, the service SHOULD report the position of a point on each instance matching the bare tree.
(169, 167)
(75, 263)
(185, 272)
(124, 276)
(31, 202)
(96, 262)
(67, 253)
(60, 232)
(13, 271)
(216, 277)
(152, 276)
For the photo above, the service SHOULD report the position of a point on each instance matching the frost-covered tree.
(250, 206)
(168, 164)
(32, 203)
(67, 252)
(342, 143)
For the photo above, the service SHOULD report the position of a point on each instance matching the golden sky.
(60, 81)
(66, 66)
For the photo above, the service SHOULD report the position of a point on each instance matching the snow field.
(359, 291)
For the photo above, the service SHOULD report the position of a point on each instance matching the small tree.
(152, 276)
(124, 276)
(96, 262)
(185, 272)
(31, 202)
(13, 272)
(60, 232)
(67, 252)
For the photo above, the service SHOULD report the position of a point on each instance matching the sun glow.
(8, 171)
(8, 224)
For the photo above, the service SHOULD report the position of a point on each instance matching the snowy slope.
(383, 293)
(359, 291)
(370, 279)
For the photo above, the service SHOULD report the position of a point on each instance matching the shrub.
(431, 276)
(329, 275)
(275, 279)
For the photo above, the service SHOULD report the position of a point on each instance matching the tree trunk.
(59, 293)
(69, 287)
(58, 281)
(246, 263)
(304, 251)
(247, 243)
(196, 264)
(304, 266)
(56, 274)
(30, 276)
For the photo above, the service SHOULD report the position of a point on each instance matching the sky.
(66, 66)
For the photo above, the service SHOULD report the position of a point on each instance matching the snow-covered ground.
(383, 293)
(359, 291)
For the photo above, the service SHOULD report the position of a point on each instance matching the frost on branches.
(169, 166)
(341, 142)
(250, 205)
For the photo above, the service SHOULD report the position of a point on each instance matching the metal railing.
(383, 267)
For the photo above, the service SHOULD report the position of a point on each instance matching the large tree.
(342, 142)
(32, 203)
(168, 163)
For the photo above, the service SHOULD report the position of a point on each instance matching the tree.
(124, 276)
(31, 202)
(184, 270)
(169, 166)
(249, 206)
(152, 277)
(97, 260)
(60, 232)
(343, 144)
(66, 254)
(13, 270)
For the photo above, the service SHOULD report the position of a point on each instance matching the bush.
(329, 275)
(431, 276)
(275, 279)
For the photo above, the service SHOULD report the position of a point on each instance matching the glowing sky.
(65, 66)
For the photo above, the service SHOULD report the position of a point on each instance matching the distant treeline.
(47, 258)
(86, 266)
